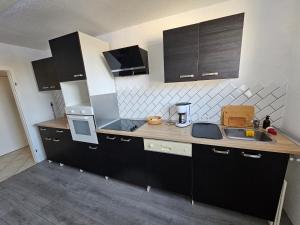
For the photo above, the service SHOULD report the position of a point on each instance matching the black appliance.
(125, 125)
(127, 61)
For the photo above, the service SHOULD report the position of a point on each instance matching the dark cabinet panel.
(260, 180)
(52, 144)
(204, 51)
(181, 53)
(242, 180)
(46, 74)
(66, 51)
(170, 172)
(125, 158)
(220, 47)
(215, 176)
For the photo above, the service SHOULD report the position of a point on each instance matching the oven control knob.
(82, 111)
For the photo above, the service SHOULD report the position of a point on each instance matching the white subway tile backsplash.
(207, 98)
(267, 90)
(263, 113)
(266, 101)
(278, 103)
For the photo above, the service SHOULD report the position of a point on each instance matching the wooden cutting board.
(238, 115)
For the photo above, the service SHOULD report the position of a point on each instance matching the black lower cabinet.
(242, 180)
(53, 143)
(169, 172)
(124, 158)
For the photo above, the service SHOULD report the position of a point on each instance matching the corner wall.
(265, 60)
(35, 105)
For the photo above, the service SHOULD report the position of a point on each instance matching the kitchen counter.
(60, 123)
(167, 132)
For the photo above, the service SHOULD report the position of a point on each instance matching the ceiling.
(31, 23)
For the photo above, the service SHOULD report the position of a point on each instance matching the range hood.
(127, 61)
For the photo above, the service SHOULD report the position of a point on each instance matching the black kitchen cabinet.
(220, 44)
(46, 74)
(169, 172)
(204, 51)
(242, 180)
(53, 141)
(67, 54)
(124, 158)
(60, 148)
(181, 53)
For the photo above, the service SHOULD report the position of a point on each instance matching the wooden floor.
(49, 194)
(15, 162)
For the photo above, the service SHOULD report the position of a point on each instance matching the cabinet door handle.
(125, 140)
(210, 74)
(186, 76)
(59, 131)
(93, 148)
(227, 152)
(47, 139)
(110, 138)
(45, 88)
(253, 156)
(56, 140)
(78, 75)
(43, 129)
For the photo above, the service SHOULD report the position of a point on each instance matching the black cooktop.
(125, 125)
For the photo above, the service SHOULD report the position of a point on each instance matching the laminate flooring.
(47, 194)
(15, 162)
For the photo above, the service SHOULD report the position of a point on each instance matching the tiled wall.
(207, 99)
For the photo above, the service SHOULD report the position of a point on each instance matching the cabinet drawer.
(168, 147)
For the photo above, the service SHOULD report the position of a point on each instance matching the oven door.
(83, 128)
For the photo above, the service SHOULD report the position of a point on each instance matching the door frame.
(13, 85)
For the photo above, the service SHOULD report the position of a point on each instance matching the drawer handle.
(45, 87)
(53, 86)
(56, 140)
(210, 74)
(78, 75)
(227, 152)
(253, 156)
(47, 139)
(59, 131)
(93, 148)
(43, 129)
(186, 76)
(125, 140)
(110, 138)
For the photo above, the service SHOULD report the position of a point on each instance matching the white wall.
(291, 126)
(35, 105)
(266, 41)
(12, 135)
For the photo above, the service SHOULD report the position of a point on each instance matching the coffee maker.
(183, 110)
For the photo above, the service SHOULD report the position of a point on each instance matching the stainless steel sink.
(239, 133)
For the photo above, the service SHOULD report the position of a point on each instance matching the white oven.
(83, 128)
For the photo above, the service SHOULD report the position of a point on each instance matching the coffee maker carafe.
(183, 110)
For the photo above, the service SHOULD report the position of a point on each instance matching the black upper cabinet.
(45, 74)
(204, 51)
(66, 51)
(181, 53)
(220, 47)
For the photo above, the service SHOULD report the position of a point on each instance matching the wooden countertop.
(281, 144)
(60, 123)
